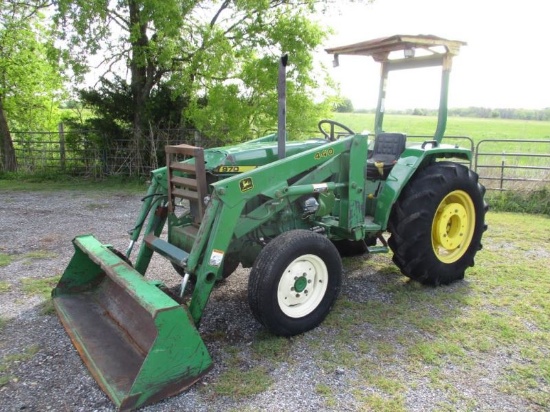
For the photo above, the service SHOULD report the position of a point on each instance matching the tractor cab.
(417, 52)
(400, 52)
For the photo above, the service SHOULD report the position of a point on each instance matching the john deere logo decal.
(246, 184)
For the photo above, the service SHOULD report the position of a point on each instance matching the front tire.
(294, 282)
(437, 224)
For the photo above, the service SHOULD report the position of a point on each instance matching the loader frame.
(232, 211)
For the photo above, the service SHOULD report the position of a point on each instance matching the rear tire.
(294, 282)
(437, 224)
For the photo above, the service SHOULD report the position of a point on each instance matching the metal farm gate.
(502, 164)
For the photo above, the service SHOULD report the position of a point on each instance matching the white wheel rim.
(302, 286)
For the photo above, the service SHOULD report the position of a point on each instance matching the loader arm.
(279, 184)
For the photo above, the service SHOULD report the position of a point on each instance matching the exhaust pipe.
(281, 118)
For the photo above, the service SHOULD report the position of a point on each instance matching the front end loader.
(288, 210)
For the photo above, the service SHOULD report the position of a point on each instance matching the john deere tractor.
(286, 209)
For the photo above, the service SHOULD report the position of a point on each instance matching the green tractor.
(287, 209)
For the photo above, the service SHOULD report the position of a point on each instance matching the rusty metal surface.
(113, 336)
(138, 343)
(111, 357)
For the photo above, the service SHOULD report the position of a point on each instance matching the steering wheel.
(331, 135)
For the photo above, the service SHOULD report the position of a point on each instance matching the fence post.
(197, 138)
(61, 146)
(502, 175)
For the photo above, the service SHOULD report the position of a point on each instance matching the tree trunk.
(8, 161)
(140, 84)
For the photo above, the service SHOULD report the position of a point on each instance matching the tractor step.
(378, 249)
(184, 236)
(169, 251)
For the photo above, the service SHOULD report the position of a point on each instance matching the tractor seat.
(387, 149)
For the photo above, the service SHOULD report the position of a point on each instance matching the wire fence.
(502, 164)
(93, 154)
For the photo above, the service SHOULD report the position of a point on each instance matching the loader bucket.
(139, 344)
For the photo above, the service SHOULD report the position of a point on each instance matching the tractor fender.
(411, 159)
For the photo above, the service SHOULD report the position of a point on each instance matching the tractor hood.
(249, 155)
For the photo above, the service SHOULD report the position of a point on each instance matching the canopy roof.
(380, 48)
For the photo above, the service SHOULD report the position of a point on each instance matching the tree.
(28, 80)
(211, 53)
(345, 105)
(111, 105)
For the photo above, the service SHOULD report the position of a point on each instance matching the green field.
(501, 164)
(476, 128)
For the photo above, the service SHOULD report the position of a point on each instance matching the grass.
(4, 287)
(328, 394)
(240, 378)
(267, 346)
(239, 383)
(39, 286)
(475, 128)
(44, 182)
(8, 362)
(380, 403)
(28, 257)
(244, 374)
(5, 259)
(536, 202)
(43, 288)
(39, 254)
(499, 315)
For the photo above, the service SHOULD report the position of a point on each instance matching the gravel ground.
(56, 379)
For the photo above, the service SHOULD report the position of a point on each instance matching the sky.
(506, 63)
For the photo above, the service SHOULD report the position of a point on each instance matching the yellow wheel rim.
(453, 226)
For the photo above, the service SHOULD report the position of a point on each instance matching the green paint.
(300, 284)
(252, 197)
(176, 356)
